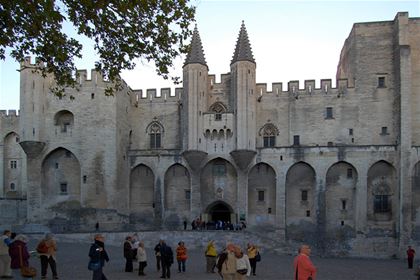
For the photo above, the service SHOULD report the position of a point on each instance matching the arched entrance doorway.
(219, 211)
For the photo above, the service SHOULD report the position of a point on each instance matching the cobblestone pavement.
(72, 262)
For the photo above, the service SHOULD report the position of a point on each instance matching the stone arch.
(60, 177)
(142, 181)
(219, 211)
(177, 189)
(340, 195)
(261, 194)
(382, 193)
(64, 119)
(415, 201)
(12, 165)
(300, 202)
(218, 181)
(415, 193)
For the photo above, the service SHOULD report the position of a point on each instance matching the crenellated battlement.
(293, 88)
(27, 63)
(9, 114)
(151, 94)
(223, 79)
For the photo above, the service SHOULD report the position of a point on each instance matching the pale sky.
(291, 40)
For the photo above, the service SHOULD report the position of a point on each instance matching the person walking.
(211, 255)
(47, 249)
(157, 255)
(128, 254)
(97, 253)
(410, 257)
(5, 242)
(19, 256)
(228, 267)
(252, 255)
(167, 258)
(142, 257)
(181, 256)
(243, 267)
(304, 268)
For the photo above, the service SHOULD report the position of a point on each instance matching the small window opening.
(304, 196)
(63, 188)
(384, 130)
(261, 195)
(84, 179)
(296, 140)
(13, 164)
(92, 96)
(308, 213)
(350, 131)
(343, 204)
(187, 194)
(329, 113)
(269, 210)
(381, 82)
(218, 117)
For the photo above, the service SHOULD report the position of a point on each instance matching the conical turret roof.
(243, 50)
(196, 54)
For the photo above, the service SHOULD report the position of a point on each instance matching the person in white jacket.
(142, 257)
(243, 267)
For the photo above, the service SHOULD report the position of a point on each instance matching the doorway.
(219, 211)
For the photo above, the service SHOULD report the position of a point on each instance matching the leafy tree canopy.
(122, 31)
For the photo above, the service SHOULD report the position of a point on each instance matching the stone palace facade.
(337, 167)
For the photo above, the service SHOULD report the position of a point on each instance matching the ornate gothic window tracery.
(218, 108)
(269, 132)
(155, 131)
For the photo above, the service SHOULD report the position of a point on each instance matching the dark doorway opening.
(220, 212)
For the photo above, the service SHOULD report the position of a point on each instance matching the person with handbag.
(243, 267)
(18, 252)
(181, 256)
(252, 255)
(47, 249)
(304, 268)
(98, 256)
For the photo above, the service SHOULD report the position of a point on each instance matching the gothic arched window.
(218, 108)
(155, 131)
(269, 132)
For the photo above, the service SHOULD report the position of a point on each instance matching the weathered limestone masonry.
(337, 167)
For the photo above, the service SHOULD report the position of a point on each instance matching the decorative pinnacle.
(196, 54)
(243, 50)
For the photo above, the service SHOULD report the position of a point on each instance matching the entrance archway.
(219, 211)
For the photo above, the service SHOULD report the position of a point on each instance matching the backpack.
(220, 260)
(42, 247)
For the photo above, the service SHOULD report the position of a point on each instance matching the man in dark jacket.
(97, 253)
(128, 254)
(167, 258)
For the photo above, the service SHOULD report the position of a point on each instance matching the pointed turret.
(196, 54)
(243, 50)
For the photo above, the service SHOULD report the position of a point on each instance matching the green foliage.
(123, 31)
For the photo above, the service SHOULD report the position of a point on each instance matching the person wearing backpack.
(47, 249)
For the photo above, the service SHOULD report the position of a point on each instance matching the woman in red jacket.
(304, 268)
(181, 256)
